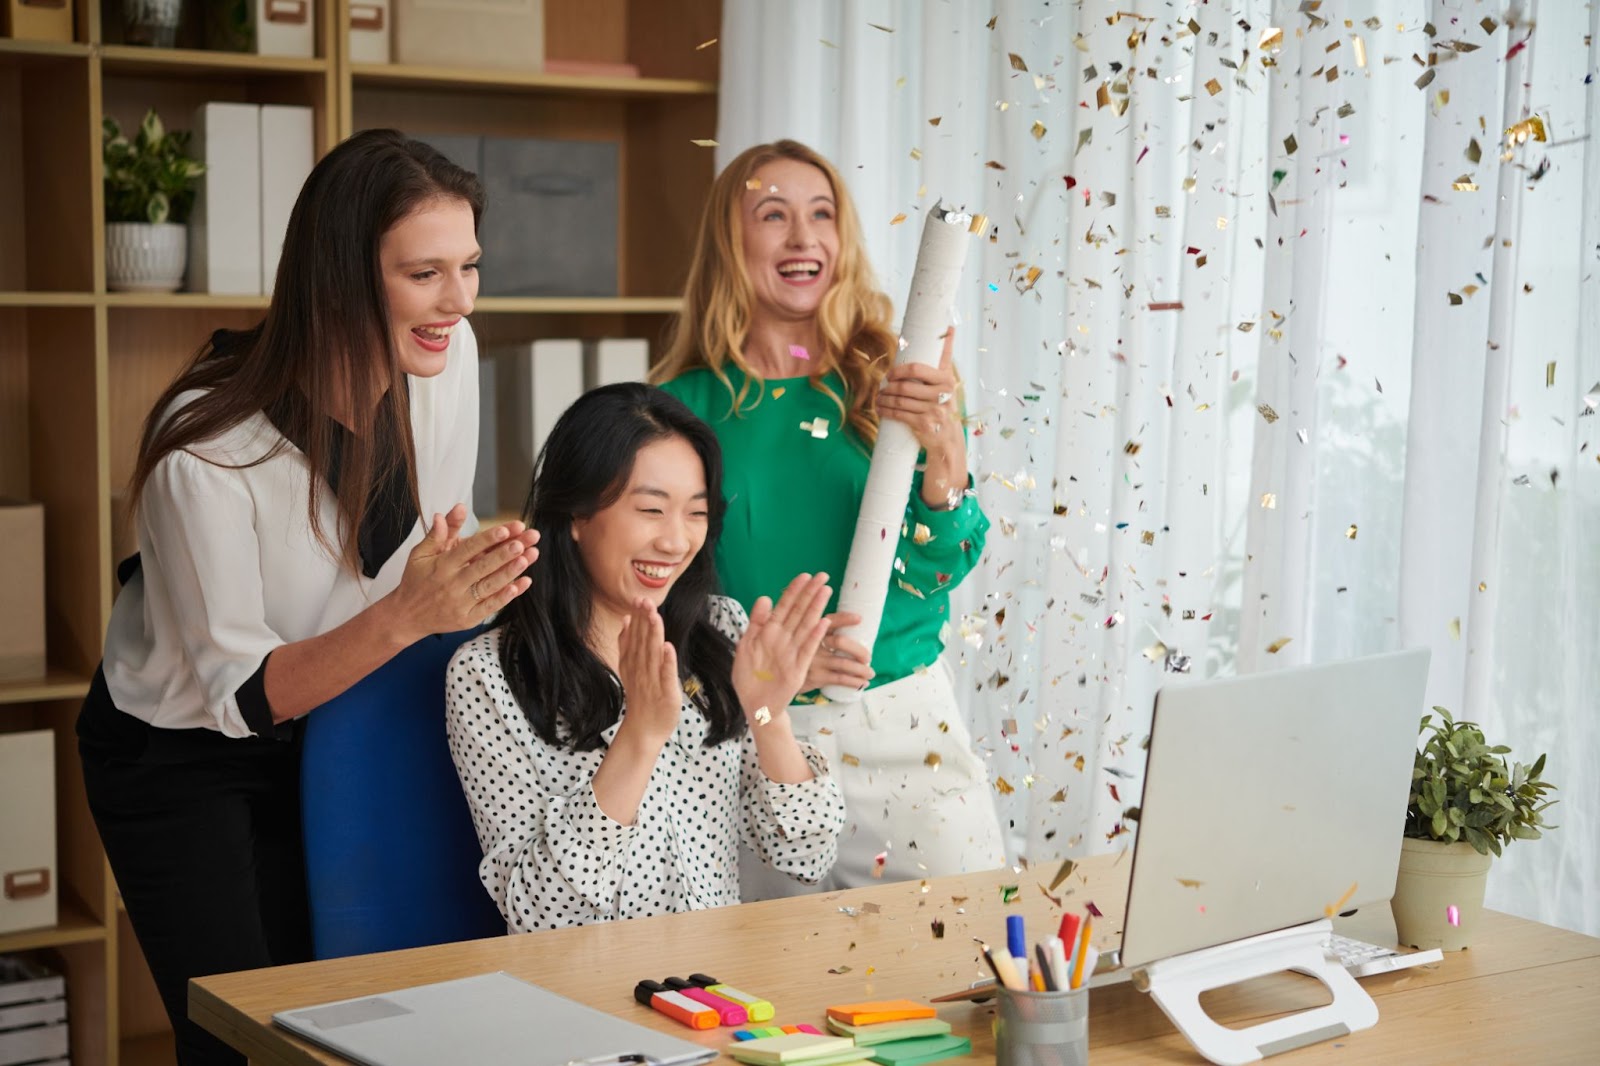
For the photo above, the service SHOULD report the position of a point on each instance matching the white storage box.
(27, 831)
(286, 27)
(33, 1014)
(470, 33)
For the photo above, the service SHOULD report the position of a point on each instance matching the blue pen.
(1017, 944)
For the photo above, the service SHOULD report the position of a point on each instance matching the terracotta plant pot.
(1435, 877)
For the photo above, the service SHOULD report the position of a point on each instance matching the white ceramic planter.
(1434, 877)
(146, 256)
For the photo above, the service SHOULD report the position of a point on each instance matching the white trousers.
(913, 788)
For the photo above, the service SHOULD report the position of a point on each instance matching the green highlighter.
(920, 1050)
(884, 1032)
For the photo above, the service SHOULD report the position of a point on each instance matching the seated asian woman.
(622, 728)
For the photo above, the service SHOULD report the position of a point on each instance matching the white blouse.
(552, 857)
(229, 567)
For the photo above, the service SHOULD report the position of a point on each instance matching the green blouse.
(793, 480)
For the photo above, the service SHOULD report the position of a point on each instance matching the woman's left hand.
(923, 398)
(769, 664)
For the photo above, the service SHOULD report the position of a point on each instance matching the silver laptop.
(489, 1020)
(1270, 799)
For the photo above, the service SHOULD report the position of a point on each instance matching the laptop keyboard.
(1362, 959)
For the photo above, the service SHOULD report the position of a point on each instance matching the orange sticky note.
(886, 1010)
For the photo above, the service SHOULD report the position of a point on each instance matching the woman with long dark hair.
(282, 495)
(622, 729)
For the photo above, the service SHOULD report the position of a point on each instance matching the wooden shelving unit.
(80, 366)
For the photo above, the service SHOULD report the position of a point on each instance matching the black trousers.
(203, 834)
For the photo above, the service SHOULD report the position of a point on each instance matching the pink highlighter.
(730, 1013)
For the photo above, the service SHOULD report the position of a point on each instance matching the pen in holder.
(1042, 1028)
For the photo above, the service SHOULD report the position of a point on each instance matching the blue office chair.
(391, 855)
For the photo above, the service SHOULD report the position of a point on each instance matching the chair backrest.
(391, 854)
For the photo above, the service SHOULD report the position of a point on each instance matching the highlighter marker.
(757, 1008)
(679, 1008)
(1058, 963)
(1069, 933)
(1017, 943)
(729, 1012)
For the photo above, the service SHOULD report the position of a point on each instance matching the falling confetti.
(1038, 131)
(938, 928)
(897, 219)
(1063, 872)
(1017, 63)
(1452, 914)
(705, 142)
(817, 427)
(1334, 908)
(799, 351)
(1092, 909)
(1009, 893)
(1267, 412)
(932, 760)
(1529, 128)
(1004, 786)
(1350, 533)
(878, 862)
(762, 716)
(1278, 645)
(1188, 882)
(703, 45)
(1269, 501)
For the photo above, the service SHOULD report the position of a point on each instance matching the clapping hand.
(647, 666)
(451, 584)
(772, 658)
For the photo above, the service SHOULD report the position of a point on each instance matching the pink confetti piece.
(1092, 909)
(1452, 914)
(799, 351)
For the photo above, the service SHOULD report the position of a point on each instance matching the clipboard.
(492, 1019)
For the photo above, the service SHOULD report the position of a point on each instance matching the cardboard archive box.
(21, 590)
(36, 20)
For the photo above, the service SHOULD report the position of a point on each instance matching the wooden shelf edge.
(166, 301)
(46, 299)
(56, 684)
(578, 305)
(75, 925)
(51, 49)
(374, 75)
(132, 59)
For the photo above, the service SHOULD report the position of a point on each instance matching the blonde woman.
(784, 346)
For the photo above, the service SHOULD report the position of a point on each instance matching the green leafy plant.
(150, 178)
(1461, 789)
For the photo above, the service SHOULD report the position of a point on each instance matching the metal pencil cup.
(1043, 1028)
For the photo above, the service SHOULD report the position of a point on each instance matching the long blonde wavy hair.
(853, 319)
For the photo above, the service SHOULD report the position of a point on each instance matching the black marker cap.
(645, 989)
(679, 984)
(703, 981)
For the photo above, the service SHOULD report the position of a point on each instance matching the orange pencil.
(1083, 951)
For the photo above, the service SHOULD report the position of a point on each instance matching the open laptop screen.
(1269, 799)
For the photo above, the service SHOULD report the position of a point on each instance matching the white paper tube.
(894, 458)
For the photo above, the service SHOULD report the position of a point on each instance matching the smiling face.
(641, 544)
(790, 238)
(429, 261)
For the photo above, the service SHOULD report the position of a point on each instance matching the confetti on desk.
(1009, 893)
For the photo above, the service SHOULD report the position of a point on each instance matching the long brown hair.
(325, 337)
(719, 300)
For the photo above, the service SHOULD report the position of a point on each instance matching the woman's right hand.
(451, 584)
(840, 660)
(647, 666)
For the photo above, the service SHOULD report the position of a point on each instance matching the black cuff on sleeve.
(256, 711)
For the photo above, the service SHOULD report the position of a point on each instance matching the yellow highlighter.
(758, 1009)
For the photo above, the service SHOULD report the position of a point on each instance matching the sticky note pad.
(923, 1049)
(794, 1047)
(887, 1010)
(883, 1032)
(832, 1058)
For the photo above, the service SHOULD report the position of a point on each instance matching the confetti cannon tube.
(894, 457)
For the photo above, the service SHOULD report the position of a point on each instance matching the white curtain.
(1258, 356)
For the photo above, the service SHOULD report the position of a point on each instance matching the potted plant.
(1465, 805)
(149, 190)
(153, 23)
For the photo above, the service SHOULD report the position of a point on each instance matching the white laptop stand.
(1176, 984)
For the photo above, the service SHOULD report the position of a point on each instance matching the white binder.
(617, 359)
(537, 382)
(287, 154)
(225, 229)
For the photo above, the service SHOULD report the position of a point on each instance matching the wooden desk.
(1526, 993)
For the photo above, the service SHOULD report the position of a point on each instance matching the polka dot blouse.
(551, 856)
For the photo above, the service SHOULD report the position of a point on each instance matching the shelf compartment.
(56, 684)
(190, 64)
(171, 301)
(74, 926)
(25, 298)
(466, 79)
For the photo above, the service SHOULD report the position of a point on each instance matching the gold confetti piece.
(1267, 412)
(900, 82)
(703, 45)
(1147, 537)
(978, 222)
(885, 29)
(850, 760)
(1426, 79)
(1213, 86)
(897, 219)
(1290, 144)
(1489, 25)
(921, 535)
(1189, 882)
(1084, 137)
(1350, 533)
(1549, 375)
(1474, 151)
(1163, 211)
(1532, 126)
(1156, 652)
(753, 184)
(1464, 184)
(1269, 501)
(1271, 37)
(1454, 628)
(1360, 48)
(826, 43)
(916, 153)
(1278, 645)
(1346, 109)
(765, 675)
(1004, 786)
(1078, 764)
(1102, 95)
(1334, 908)
(704, 142)
(1017, 63)
(1059, 797)
(933, 760)
(910, 588)
(1063, 872)
(777, 393)
(691, 687)
(1038, 131)
(995, 164)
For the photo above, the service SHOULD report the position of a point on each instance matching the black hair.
(582, 469)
